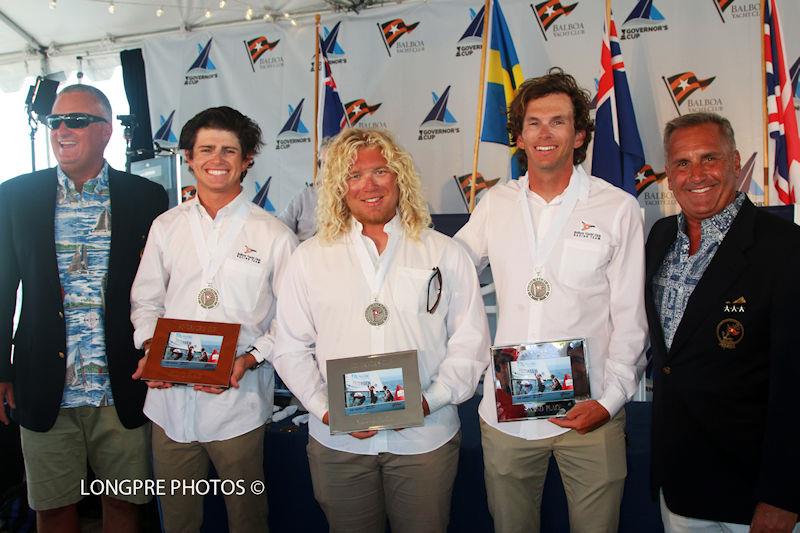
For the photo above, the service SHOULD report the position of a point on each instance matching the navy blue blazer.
(725, 434)
(27, 254)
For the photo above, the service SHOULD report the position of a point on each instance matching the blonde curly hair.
(333, 215)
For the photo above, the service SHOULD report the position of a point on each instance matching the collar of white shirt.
(579, 179)
(227, 210)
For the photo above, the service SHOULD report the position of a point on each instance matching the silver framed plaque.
(374, 392)
(540, 379)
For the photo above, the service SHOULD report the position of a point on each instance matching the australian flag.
(617, 155)
(782, 123)
(334, 117)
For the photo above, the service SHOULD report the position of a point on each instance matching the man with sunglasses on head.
(375, 279)
(73, 235)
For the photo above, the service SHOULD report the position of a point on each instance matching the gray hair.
(96, 93)
(698, 119)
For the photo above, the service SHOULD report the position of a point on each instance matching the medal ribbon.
(212, 262)
(375, 278)
(541, 251)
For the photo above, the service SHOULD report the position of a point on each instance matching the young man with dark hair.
(216, 258)
(73, 235)
(579, 277)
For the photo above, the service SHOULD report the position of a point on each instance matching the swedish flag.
(503, 76)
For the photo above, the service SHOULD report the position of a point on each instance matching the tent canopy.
(44, 36)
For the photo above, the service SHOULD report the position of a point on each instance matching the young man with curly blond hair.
(376, 279)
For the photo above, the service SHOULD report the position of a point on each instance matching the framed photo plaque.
(192, 352)
(540, 379)
(374, 392)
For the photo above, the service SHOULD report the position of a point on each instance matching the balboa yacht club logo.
(481, 186)
(257, 48)
(203, 67)
(736, 10)
(683, 85)
(249, 255)
(438, 121)
(547, 14)
(587, 230)
(294, 131)
(472, 40)
(164, 134)
(644, 18)
(392, 31)
(359, 109)
(652, 196)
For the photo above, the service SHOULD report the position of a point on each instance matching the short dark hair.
(96, 93)
(556, 81)
(698, 119)
(227, 119)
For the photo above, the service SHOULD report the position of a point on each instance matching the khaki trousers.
(593, 469)
(357, 492)
(239, 458)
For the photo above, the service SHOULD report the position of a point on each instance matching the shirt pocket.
(241, 285)
(410, 289)
(582, 263)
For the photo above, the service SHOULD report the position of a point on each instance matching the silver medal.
(376, 314)
(208, 298)
(538, 289)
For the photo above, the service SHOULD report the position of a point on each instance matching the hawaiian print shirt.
(83, 243)
(680, 272)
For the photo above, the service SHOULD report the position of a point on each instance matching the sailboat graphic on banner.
(294, 124)
(645, 12)
(439, 113)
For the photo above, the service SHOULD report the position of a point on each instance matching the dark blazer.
(725, 424)
(27, 253)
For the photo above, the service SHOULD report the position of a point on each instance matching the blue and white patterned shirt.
(680, 273)
(83, 243)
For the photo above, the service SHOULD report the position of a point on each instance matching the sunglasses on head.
(74, 121)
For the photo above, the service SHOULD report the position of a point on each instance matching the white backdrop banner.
(392, 65)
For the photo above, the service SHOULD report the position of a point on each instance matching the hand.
(426, 409)
(7, 394)
(584, 417)
(770, 519)
(140, 369)
(357, 434)
(241, 365)
(240, 368)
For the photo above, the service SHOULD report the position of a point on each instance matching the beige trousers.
(357, 492)
(239, 458)
(593, 469)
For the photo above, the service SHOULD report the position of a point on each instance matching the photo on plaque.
(541, 379)
(192, 352)
(374, 392)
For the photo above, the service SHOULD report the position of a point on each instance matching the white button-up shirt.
(167, 284)
(321, 316)
(596, 272)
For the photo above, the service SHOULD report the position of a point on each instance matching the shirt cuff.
(437, 396)
(613, 401)
(317, 405)
(255, 352)
(142, 334)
